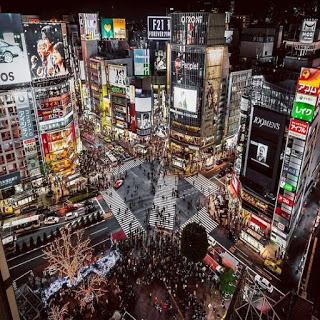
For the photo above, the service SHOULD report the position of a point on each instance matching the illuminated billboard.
(46, 51)
(264, 148)
(160, 63)
(303, 111)
(159, 28)
(185, 99)
(141, 62)
(308, 30)
(113, 28)
(107, 28)
(24, 113)
(309, 81)
(119, 28)
(298, 129)
(14, 68)
(117, 75)
(89, 28)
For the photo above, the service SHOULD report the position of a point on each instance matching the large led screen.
(14, 68)
(185, 99)
(46, 51)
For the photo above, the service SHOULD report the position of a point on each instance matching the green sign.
(289, 187)
(303, 111)
(118, 90)
(107, 28)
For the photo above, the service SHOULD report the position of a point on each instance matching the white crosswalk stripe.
(204, 185)
(125, 217)
(163, 199)
(202, 217)
(126, 166)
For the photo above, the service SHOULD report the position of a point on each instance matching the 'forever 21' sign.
(159, 28)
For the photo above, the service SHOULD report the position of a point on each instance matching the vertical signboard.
(89, 27)
(107, 28)
(213, 77)
(159, 28)
(141, 62)
(143, 115)
(117, 75)
(119, 28)
(308, 30)
(46, 50)
(24, 114)
(14, 67)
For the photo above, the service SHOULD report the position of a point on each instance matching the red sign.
(282, 214)
(309, 81)
(285, 200)
(133, 119)
(299, 127)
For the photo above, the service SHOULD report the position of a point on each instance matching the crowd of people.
(152, 280)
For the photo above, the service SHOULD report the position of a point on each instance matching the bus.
(21, 225)
(9, 243)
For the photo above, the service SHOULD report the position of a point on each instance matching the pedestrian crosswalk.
(202, 217)
(127, 220)
(163, 212)
(204, 185)
(126, 166)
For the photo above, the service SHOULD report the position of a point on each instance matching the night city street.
(160, 160)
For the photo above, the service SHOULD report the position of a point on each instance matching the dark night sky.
(124, 8)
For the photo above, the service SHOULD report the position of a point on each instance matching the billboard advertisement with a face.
(307, 31)
(264, 147)
(159, 28)
(89, 28)
(141, 62)
(160, 63)
(117, 75)
(14, 67)
(185, 99)
(46, 50)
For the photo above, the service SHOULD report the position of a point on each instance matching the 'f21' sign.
(159, 28)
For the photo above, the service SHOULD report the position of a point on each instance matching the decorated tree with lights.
(90, 290)
(57, 312)
(69, 253)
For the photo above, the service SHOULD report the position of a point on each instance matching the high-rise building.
(197, 75)
(265, 113)
(301, 163)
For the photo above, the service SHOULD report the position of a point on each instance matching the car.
(66, 208)
(263, 283)
(71, 215)
(51, 220)
(218, 162)
(8, 51)
(118, 183)
(29, 209)
(273, 266)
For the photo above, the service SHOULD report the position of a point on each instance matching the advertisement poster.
(159, 28)
(14, 67)
(298, 129)
(143, 120)
(213, 78)
(46, 52)
(307, 31)
(264, 147)
(89, 28)
(185, 99)
(119, 28)
(24, 114)
(10, 180)
(160, 62)
(117, 75)
(187, 65)
(107, 28)
(303, 111)
(141, 62)
(309, 81)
